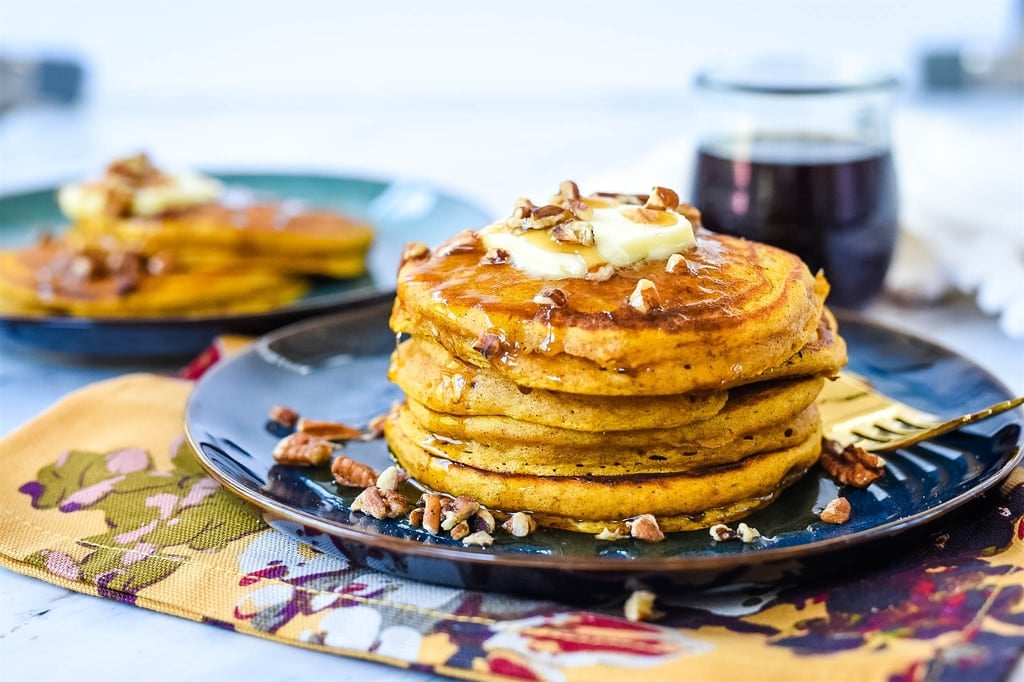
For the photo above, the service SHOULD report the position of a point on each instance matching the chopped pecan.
(645, 527)
(375, 429)
(416, 517)
(673, 262)
(381, 504)
(648, 216)
(555, 298)
(431, 513)
(482, 520)
(574, 232)
(662, 199)
(285, 416)
(302, 449)
(414, 251)
(547, 216)
(610, 535)
(496, 257)
(850, 465)
(645, 296)
(521, 525)
(580, 209)
(481, 538)
(601, 273)
(523, 208)
(488, 345)
(640, 606)
(353, 474)
(391, 478)
(747, 534)
(837, 511)
(459, 530)
(721, 532)
(458, 510)
(328, 429)
(624, 199)
(569, 190)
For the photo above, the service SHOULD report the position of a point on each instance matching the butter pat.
(618, 241)
(98, 199)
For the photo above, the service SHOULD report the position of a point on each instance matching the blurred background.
(497, 100)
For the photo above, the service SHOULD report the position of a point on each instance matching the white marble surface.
(487, 149)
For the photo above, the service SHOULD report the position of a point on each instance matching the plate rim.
(592, 564)
(183, 321)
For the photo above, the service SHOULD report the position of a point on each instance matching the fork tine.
(952, 424)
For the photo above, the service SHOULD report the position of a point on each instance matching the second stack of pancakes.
(680, 385)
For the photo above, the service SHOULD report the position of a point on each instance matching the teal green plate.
(399, 210)
(335, 368)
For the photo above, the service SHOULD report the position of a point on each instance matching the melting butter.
(90, 200)
(618, 241)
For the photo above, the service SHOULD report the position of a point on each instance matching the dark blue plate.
(399, 210)
(335, 368)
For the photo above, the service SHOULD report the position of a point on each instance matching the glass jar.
(797, 154)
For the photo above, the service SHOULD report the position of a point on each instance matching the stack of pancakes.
(575, 400)
(189, 216)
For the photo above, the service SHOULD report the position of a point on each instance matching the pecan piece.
(431, 513)
(482, 520)
(488, 344)
(547, 216)
(458, 510)
(747, 534)
(414, 251)
(673, 262)
(569, 190)
(302, 449)
(850, 465)
(645, 296)
(496, 257)
(610, 535)
(721, 532)
(459, 530)
(645, 527)
(375, 429)
(480, 538)
(328, 430)
(662, 199)
(391, 478)
(556, 298)
(285, 416)
(381, 504)
(640, 606)
(416, 517)
(520, 525)
(601, 273)
(837, 511)
(580, 209)
(353, 474)
(689, 212)
(574, 232)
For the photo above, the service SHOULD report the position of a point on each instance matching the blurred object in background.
(977, 66)
(45, 78)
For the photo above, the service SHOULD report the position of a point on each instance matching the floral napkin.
(102, 495)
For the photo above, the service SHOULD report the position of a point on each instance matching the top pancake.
(738, 309)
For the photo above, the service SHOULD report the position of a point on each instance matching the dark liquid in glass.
(828, 200)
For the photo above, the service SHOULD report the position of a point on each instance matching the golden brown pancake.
(636, 457)
(740, 309)
(428, 374)
(588, 504)
(52, 278)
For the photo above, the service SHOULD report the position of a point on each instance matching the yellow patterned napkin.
(101, 495)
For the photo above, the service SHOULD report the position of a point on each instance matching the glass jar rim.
(796, 75)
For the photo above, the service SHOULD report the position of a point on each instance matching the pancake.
(428, 374)
(43, 279)
(747, 410)
(635, 458)
(588, 504)
(740, 309)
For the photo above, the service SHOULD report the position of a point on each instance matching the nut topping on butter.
(674, 261)
(547, 216)
(662, 199)
(414, 251)
(574, 232)
(645, 296)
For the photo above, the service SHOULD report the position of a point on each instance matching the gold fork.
(854, 412)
